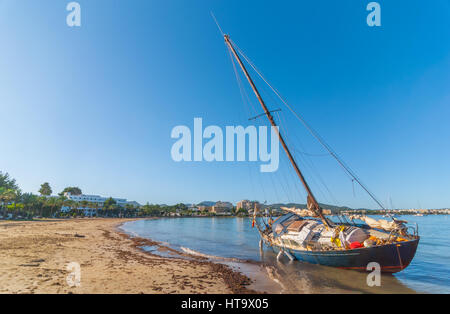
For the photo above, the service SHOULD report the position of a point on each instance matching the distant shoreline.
(183, 216)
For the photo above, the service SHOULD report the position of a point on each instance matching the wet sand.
(35, 254)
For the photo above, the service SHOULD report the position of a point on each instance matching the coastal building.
(95, 202)
(248, 205)
(193, 208)
(222, 208)
(204, 208)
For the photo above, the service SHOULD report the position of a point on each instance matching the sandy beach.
(35, 254)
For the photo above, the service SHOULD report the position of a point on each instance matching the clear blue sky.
(94, 106)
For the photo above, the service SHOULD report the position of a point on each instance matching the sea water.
(233, 240)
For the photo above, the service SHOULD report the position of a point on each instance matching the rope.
(217, 23)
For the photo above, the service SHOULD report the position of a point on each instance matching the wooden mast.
(311, 201)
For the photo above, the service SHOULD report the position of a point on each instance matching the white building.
(247, 205)
(94, 199)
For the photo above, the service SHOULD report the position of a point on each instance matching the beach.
(35, 255)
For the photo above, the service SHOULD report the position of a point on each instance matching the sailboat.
(308, 235)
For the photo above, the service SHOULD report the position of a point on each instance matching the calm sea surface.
(234, 238)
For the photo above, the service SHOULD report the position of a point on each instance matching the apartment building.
(99, 201)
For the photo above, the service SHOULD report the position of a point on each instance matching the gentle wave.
(273, 274)
(130, 233)
(196, 253)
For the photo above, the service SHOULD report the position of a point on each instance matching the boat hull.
(392, 257)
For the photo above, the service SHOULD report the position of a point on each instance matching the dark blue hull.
(392, 257)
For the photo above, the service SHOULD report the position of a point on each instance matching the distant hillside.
(206, 203)
(334, 209)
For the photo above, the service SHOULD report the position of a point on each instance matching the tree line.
(18, 205)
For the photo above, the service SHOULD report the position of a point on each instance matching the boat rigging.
(321, 241)
(311, 200)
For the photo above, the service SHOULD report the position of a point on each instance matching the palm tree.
(77, 207)
(91, 206)
(96, 206)
(28, 200)
(7, 182)
(37, 206)
(45, 189)
(71, 204)
(6, 196)
(109, 205)
(42, 205)
(53, 203)
(62, 202)
(84, 205)
(17, 199)
(128, 208)
(8, 189)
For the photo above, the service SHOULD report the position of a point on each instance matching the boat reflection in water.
(298, 277)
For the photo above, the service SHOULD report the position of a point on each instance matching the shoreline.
(35, 255)
(236, 281)
(241, 276)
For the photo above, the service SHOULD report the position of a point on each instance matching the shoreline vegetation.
(35, 255)
(16, 205)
